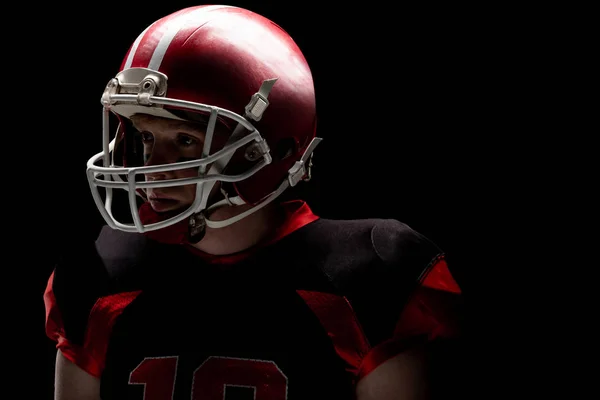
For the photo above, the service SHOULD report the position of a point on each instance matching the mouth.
(162, 202)
(158, 198)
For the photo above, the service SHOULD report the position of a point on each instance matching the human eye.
(186, 140)
(147, 137)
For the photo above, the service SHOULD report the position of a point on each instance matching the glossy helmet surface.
(231, 66)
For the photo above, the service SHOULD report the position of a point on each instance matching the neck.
(241, 235)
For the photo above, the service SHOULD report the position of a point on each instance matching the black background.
(411, 104)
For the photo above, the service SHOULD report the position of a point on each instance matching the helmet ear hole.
(284, 148)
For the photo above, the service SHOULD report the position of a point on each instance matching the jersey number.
(212, 378)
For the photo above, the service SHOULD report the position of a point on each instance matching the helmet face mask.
(263, 106)
(129, 176)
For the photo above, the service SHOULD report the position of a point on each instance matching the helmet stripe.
(161, 35)
(134, 47)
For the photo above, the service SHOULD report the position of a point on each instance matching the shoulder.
(367, 251)
(375, 269)
(79, 278)
(374, 264)
(122, 253)
(89, 286)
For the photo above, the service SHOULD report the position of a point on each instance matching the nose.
(159, 156)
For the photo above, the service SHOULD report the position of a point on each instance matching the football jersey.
(303, 316)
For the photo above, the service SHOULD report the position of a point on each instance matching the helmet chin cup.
(196, 227)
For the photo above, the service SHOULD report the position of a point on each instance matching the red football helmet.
(233, 67)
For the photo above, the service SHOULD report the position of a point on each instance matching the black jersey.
(304, 317)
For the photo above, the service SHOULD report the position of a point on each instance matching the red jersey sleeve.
(71, 346)
(82, 327)
(433, 311)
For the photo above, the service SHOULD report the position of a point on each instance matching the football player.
(207, 285)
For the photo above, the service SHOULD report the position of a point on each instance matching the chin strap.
(299, 171)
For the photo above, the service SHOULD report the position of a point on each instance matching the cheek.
(187, 173)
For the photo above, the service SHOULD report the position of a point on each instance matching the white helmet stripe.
(173, 28)
(134, 48)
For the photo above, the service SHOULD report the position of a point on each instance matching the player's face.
(167, 141)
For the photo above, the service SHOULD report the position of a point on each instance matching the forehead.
(153, 123)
